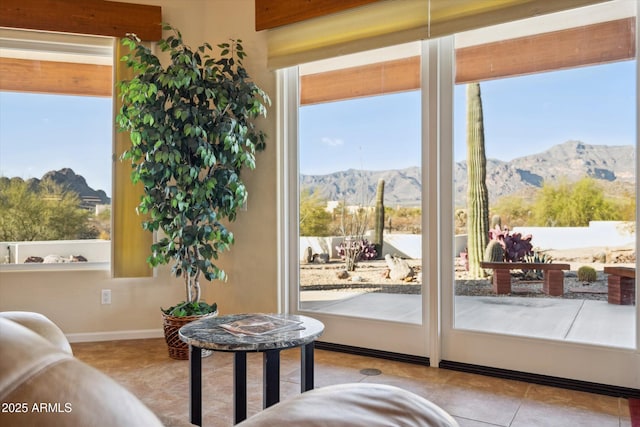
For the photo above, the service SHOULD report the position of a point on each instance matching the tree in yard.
(40, 212)
(573, 204)
(514, 209)
(477, 193)
(315, 220)
(353, 225)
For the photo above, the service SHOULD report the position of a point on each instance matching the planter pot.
(178, 349)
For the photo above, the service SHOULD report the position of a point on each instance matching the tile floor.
(162, 383)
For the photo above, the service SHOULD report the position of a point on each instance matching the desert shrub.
(573, 204)
(365, 251)
(535, 257)
(587, 274)
(44, 210)
(515, 209)
(314, 218)
(403, 219)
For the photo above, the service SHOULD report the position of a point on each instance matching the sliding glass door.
(544, 170)
(509, 144)
(358, 199)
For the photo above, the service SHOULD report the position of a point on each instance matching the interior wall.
(73, 298)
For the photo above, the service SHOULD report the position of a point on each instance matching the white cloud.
(332, 142)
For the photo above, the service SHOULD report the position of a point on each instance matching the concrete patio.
(575, 320)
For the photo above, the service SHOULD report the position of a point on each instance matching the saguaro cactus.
(378, 238)
(477, 194)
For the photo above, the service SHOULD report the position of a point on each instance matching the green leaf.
(191, 130)
(136, 138)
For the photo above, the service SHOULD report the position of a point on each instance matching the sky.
(522, 115)
(40, 133)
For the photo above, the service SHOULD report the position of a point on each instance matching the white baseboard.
(115, 335)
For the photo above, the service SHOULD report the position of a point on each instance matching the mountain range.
(69, 180)
(570, 160)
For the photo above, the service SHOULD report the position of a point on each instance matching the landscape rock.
(343, 274)
(320, 258)
(399, 269)
(308, 255)
(54, 259)
(599, 257)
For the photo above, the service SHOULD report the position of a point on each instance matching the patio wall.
(402, 245)
(93, 250)
(597, 234)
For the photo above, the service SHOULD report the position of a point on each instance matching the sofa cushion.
(43, 385)
(360, 404)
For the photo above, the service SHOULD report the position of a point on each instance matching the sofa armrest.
(358, 404)
(41, 325)
(51, 387)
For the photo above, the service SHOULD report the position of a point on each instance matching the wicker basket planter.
(178, 349)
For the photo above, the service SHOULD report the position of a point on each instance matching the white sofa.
(37, 367)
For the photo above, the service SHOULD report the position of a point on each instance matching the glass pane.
(55, 178)
(557, 143)
(360, 186)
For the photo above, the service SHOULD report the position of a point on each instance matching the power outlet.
(106, 296)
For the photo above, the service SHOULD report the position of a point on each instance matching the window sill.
(66, 266)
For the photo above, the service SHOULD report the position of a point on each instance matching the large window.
(559, 123)
(55, 148)
(555, 120)
(360, 185)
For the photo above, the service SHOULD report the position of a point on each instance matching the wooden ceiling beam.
(93, 17)
(275, 13)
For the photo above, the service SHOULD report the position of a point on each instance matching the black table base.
(271, 383)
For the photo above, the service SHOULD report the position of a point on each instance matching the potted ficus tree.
(192, 131)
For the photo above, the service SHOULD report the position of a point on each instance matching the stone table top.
(210, 333)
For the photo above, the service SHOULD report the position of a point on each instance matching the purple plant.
(516, 247)
(362, 248)
(368, 250)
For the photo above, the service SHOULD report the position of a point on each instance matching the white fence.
(402, 245)
(93, 250)
(597, 234)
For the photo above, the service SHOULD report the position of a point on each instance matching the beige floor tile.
(479, 405)
(143, 366)
(538, 414)
(595, 403)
